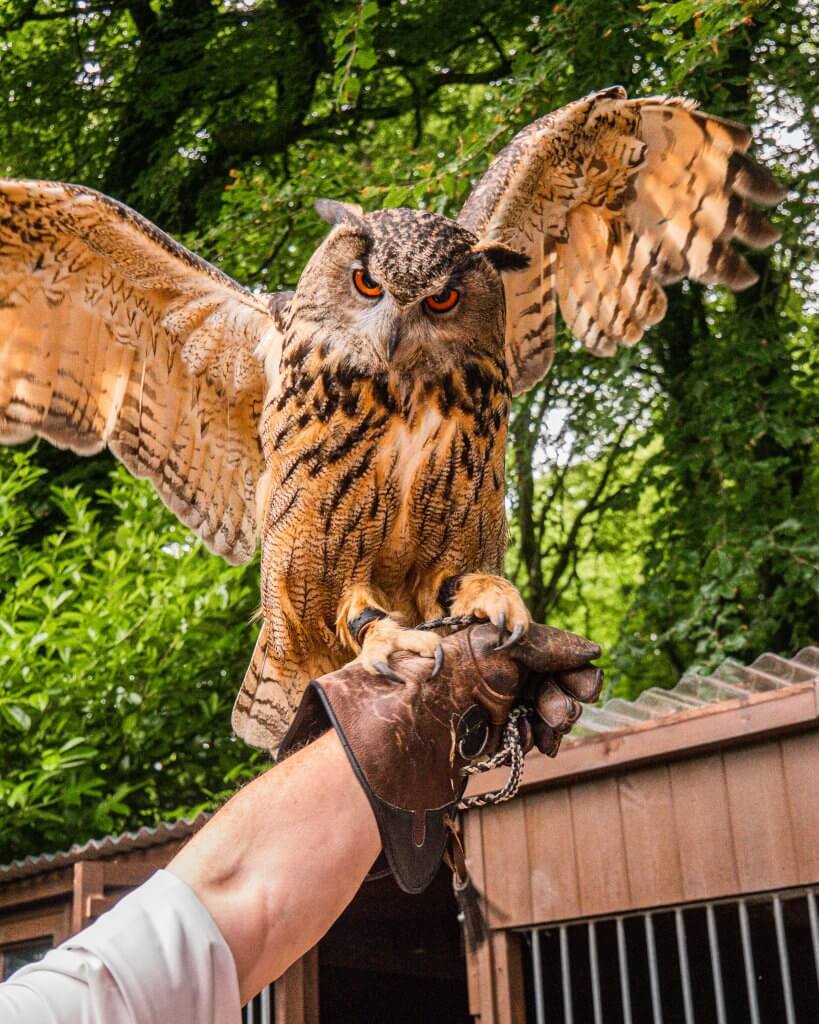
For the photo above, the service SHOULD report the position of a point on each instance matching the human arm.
(281, 860)
(263, 881)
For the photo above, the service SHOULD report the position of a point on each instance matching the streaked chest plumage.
(368, 476)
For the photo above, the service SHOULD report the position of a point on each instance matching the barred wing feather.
(112, 334)
(612, 199)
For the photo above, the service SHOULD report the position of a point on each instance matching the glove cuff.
(413, 841)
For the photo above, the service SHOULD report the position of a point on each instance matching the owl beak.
(394, 338)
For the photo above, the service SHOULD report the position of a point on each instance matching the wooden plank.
(678, 735)
(702, 823)
(39, 887)
(64, 930)
(471, 835)
(555, 893)
(479, 961)
(88, 881)
(760, 817)
(600, 848)
(510, 1005)
(296, 992)
(96, 905)
(126, 873)
(30, 927)
(652, 851)
(800, 759)
(506, 864)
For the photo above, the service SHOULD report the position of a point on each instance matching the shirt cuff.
(166, 955)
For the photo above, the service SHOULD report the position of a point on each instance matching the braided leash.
(511, 751)
(456, 622)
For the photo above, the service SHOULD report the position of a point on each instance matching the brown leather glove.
(408, 743)
(554, 696)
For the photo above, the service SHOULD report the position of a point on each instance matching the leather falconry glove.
(409, 743)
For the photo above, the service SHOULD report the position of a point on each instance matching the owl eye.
(366, 286)
(443, 301)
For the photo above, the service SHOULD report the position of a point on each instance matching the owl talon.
(495, 599)
(439, 661)
(514, 638)
(385, 638)
(384, 669)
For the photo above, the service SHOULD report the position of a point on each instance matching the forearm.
(278, 864)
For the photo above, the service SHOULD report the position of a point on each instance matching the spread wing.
(611, 199)
(113, 334)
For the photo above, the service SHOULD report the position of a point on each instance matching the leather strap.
(358, 625)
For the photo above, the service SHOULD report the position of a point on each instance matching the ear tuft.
(334, 212)
(502, 257)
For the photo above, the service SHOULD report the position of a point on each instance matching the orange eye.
(443, 301)
(365, 284)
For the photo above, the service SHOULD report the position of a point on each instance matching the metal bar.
(565, 977)
(265, 1014)
(814, 931)
(748, 960)
(685, 977)
(622, 959)
(784, 963)
(249, 1013)
(537, 973)
(716, 968)
(653, 973)
(594, 970)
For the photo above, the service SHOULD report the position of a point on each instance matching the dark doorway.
(395, 958)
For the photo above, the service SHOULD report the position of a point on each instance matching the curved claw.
(384, 669)
(501, 623)
(439, 661)
(517, 633)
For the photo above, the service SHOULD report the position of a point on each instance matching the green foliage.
(354, 48)
(664, 502)
(123, 641)
(731, 567)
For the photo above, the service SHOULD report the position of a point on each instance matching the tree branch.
(245, 139)
(142, 15)
(590, 506)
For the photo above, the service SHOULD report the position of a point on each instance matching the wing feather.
(624, 196)
(112, 334)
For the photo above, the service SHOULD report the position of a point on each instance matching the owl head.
(403, 290)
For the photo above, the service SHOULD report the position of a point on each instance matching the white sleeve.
(156, 958)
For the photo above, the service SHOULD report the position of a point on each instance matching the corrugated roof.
(108, 846)
(729, 682)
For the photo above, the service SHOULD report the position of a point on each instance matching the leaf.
(365, 59)
(14, 714)
(396, 196)
(28, 583)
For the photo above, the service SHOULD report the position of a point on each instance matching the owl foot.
(493, 598)
(385, 637)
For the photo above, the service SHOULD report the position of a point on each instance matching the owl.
(356, 427)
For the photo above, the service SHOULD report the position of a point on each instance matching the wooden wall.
(643, 822)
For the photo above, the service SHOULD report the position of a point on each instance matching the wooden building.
(663, 868)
